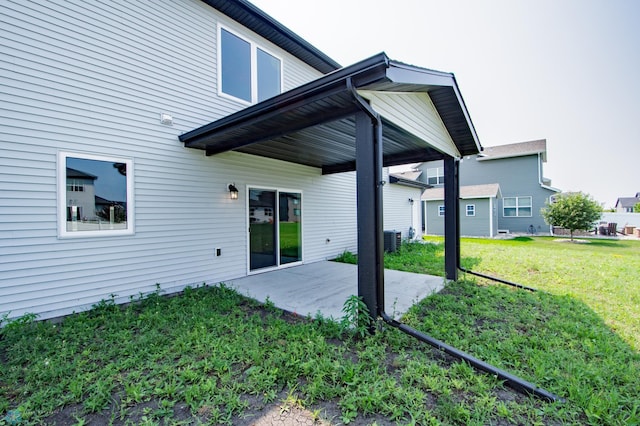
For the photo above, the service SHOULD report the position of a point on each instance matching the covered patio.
(322, 288)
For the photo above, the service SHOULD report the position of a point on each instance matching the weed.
(356, 316)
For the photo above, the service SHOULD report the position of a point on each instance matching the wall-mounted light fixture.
(411, 200)
(233, 191)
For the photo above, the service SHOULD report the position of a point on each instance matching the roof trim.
(290, 126)
(399, 180)
(264, 25)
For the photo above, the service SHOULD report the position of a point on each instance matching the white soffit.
(415, 113)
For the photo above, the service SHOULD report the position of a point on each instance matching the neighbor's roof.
(490, 190)
(514, 150)
(404, 178)
(73, 173)
(627, 202)
(409, 174)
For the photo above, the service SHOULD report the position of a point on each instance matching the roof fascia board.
(403, 73)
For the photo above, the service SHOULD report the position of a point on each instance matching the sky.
(567, 71)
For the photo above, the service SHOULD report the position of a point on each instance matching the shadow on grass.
(556, 342)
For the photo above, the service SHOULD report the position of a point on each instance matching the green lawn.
(210, 356)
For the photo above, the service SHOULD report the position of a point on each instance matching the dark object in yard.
(500, 280)
(514, 382)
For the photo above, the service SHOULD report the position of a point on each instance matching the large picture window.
(516, 207)
(95, 195)
(246, 71)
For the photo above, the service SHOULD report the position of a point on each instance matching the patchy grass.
(211, 356)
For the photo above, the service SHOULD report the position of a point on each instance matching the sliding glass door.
(275, 228)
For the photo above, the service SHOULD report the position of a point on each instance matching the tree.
(575, 211)
(636, 208)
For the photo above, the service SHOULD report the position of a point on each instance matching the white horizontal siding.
(94, 77)
(399, 214)
(415, 113)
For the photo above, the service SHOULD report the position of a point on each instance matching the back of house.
(101, 199)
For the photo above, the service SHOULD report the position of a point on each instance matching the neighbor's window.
(95, 195)
(441, 210)
(435, 176)
(247, 72)
(516, 206)
(471, 209)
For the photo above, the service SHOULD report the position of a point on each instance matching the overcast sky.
(567, 71)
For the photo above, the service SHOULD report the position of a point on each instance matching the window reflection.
(96, 195)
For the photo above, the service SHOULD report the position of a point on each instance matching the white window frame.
(254, 66)
(441, 210)
(439, 176)
(62, 196)
(473, 210)
(518, 207)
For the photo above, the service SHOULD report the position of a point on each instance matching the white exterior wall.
(94, 77)
(398, 213)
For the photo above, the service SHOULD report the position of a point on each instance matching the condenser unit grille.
(392, 241)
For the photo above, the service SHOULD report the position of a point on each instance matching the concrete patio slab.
(323, 287)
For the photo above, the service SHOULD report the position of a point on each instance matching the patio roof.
(423, 114)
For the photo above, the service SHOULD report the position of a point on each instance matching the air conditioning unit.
(392, 241)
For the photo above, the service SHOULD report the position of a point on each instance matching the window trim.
(518, 207)
(253, 63)
(439, 177)
(62, 196)
(473, 208)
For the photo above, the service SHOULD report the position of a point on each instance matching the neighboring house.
(478, 210)
(517, 169)
(626, 204)
(402, 205)
(219, 144)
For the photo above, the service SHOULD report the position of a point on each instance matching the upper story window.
(435, 176)
(516, 206)
(247, 71)
(95, 195)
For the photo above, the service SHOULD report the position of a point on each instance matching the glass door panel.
(289, 220)
(262, 229)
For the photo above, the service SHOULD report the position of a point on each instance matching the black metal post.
(369, 214)
(451, 218)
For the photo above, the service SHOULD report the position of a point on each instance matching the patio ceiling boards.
(423, 114)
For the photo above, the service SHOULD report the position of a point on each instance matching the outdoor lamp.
(233, 191)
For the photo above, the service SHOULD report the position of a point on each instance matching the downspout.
(514, 382)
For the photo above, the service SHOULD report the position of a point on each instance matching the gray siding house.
(211, 134)
(517, 169)
(478, 210)
(626, 204)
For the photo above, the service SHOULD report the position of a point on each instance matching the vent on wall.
(392, 241)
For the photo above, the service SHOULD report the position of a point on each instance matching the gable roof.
(627, 202)
(314, 124)
(264, 25)
(518, 149)
(490, 190)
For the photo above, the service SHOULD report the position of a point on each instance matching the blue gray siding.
(477, 226)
